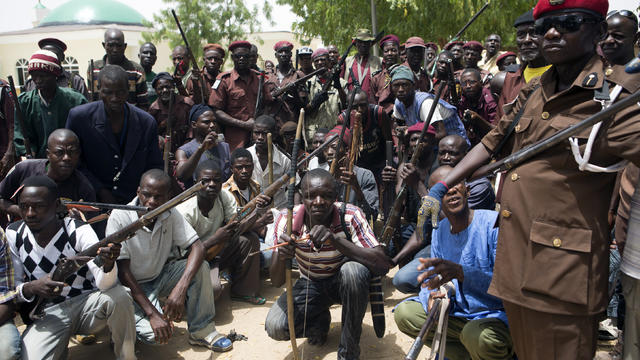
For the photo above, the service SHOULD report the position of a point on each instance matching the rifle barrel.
(464, 28)
(106, 206)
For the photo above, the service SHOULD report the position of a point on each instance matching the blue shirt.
(475, 249)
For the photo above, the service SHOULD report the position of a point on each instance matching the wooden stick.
(270, 157)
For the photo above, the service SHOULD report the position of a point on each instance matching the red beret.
(53, 42)
(390, 38)
(432, 45)
(319, 52)
(282, 44)
(217, 47)
(452, 44)
(336, 130)
(473, 45)
(417, 127)
(595, 6)
(239, 43)
(501, 57)
(414, 41)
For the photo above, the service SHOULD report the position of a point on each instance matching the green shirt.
(151, 92)
(41, 120)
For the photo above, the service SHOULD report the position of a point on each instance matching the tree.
(335, 21)
(206, 21)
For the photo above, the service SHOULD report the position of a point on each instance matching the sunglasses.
(625, 13)
(564, 24)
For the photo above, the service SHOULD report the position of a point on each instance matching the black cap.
(53, 42)
(526, 18)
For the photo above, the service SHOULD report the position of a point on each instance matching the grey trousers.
(349, 287)
(631, 291)
(89, 313)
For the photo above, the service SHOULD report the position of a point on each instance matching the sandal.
(220, 343)
(255, 300)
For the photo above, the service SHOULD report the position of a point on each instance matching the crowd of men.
(534, 253)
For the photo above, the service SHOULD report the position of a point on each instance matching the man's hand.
(318, 99)
(320, 235)
(444, 270)
(264, 220)
(248, 125)
(209, 142)
(174, 306)
(286, 252)
(225, 233)
(109, 255)
(409, 174)
(162, 328)
(348, 177)
(432, 297)
(262, 201)
(43, 287)
(431, 203)
(389, 174)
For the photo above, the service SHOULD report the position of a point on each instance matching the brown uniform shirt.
(381, 89)
(237, 97)
(513, 82)
(206, 89)
(181, 126)
(553, 245)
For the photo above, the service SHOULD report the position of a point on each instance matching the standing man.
(234, 96)
(285, 74)
(337, 258)
(148, 266)
(533, 64)
(457, 51)
(181, 60)
(444, 77)
(324, 106)
(46, 107)
(66, 79)
(213, 56)
(119, 141)
(430, 53)
(304, 57)
(115, 46)
(360, 67)
(557, 230)
(415, 59)
(87, 301)
(492, 45)
(148, 56)
(381, 79)
(334, 56)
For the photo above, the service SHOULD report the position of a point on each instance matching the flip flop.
(255, 300)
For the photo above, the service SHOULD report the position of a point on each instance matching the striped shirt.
(7, 283)
(137, 81)
(326, 261)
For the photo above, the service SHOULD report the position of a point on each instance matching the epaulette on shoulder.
(223, 75)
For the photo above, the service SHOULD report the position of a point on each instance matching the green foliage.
(335, 21)
(206, 21)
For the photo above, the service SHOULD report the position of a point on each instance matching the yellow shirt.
(530, 73)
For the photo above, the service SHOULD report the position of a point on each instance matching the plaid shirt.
(232, 187)
(7, 284)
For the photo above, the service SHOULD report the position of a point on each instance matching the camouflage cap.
(364, 35)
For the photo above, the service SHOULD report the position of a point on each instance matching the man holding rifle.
(213, 56)
(554, 216)
(88, 301)
(149, 266)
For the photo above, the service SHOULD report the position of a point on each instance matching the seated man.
(463, 249)
(93, 299)
(9, 334)
(46, 107)
(281, 163)
(148, 267)
(335, 263)
(209, 214)
(63, 155)
(317, 140)
(476, 101)
(119, 141)
(204, 146)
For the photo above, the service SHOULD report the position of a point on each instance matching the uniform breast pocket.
(559, 263)
(237, 94)
(520, 131)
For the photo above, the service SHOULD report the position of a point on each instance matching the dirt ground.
(249, 319)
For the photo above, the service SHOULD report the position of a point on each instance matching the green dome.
(92, 12)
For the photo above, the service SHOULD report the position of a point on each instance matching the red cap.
(432, 45)
(593, 6)
(501, 57)
(336, 130)
(239, 43)
(282, 44)
(216, 47)
(417, 127)
(473, 45)
(414, 41)
(452, 44)
(390, 38)
(319, 52)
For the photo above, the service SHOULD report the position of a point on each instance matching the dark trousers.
(349, 287)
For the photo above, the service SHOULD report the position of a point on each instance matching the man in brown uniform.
(285, 73)
(381, 79)
(213, 56)
(234, 96)
(415, 58)
(552, 263)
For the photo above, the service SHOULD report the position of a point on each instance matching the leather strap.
(512, 126)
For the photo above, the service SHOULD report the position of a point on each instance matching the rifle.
(65, 267)
(396, 211)
(388, 191)
(20, 116)
(270, 191)
(194, 63)
(471, 21)
(347, 120)
(290, 86)
(532, 150)
(270, 157)
(167, 136)
(259, 99)
(356, 132)
(93, 206)
(439, 310)
(453, 86)
(92, 81)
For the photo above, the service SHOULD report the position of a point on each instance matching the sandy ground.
(249, 319)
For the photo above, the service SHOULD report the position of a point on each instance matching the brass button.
(608, 72)
(517, 127)
(515, 176)
(506, 213)
(545, 115)
(557, 242)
